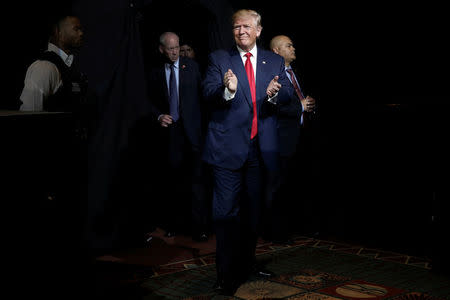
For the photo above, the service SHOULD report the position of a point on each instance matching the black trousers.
(296, 205)
(186, 205)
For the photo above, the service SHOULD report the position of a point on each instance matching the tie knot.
(290, 71)
(248, 54)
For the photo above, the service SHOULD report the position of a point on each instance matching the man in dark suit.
(175, 98)
(242, 87)
(297, 120)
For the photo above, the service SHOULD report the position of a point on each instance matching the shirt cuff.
(272, 99)
(227, 95)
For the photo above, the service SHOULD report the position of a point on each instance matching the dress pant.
(236, 214)
(201, 200)
(297, 206)
(274, 226)
(183, 184)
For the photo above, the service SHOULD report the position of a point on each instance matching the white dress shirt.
(177, 77)
(295, 78)
(42, 80)
(229, 95)
(176, 69)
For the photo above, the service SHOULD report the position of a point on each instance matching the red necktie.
(294, 83)
(251, 81)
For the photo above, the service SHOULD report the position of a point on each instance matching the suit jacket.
(289, 121)
(228, 133)
(189, 99)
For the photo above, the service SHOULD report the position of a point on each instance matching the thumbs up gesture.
(274, 87)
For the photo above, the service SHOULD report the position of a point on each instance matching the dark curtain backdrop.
(121, 42)
(357, 58)
(113, 61)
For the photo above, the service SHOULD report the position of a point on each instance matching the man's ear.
(259, 30)
(161, 49)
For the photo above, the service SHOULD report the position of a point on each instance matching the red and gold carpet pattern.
(310, 269)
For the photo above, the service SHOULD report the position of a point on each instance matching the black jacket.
(189, 98)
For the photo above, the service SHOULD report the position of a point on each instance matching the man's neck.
(247, 49)
(63, 48)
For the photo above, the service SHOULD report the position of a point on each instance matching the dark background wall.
(378, 71)
(389, 49)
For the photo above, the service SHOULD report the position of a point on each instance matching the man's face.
(246, 31)
(70, 33)
(287, 50)
(171, 48)
(187, 51)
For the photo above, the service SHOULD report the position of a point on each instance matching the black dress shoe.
(224, 288)
(200, 237)
(315, 234)
(262, 272)
(286, 241)
(170, 233)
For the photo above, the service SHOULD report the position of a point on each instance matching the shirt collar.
(175, 64)
(68, 59)
(254, 51)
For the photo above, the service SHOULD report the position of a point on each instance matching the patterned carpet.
(309, 269)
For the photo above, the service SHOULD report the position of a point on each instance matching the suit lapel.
(239, 70)
(181, 78)
(260, 73)
(299, 77)
(162, 74)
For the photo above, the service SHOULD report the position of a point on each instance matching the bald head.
(283, 46)
(275, 41)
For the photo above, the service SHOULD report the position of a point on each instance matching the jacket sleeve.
(212, 85)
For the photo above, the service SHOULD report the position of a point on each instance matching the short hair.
(186, 42)
(58, 20)
(247, 12)
(56, 12)
(163, 36)
(56, 23)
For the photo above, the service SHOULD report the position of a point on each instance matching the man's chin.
(245, 46)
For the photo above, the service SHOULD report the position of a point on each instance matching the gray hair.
(163, 37)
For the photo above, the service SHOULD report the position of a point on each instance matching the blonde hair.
(247, 12)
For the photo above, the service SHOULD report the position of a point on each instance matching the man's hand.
(230, 81)
(273, 88)
(165, 120)
(308, 104)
